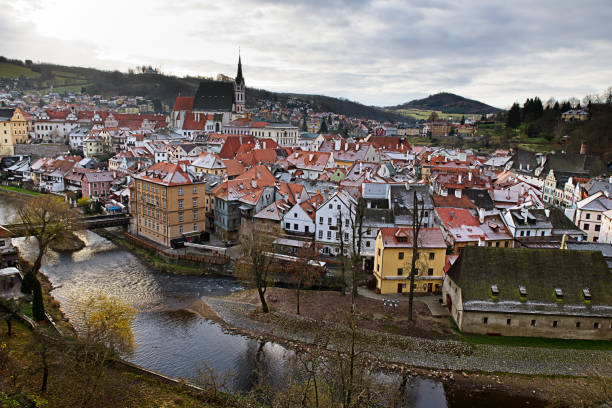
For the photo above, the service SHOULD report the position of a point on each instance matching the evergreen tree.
(463, 120)
(514, 116)
(27, 284)
(323, 128)
(38, 307)
(305, 119)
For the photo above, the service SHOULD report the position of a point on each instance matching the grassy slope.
(15, 71)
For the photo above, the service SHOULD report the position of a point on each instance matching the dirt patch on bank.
(371, 314)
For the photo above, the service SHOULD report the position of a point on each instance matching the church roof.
(214, 96)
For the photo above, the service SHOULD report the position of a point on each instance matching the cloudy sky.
(375, 52)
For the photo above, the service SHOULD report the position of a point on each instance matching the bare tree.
(305, 270)
(255, 263)
(417, 220)
(342, 254)
(49, 219)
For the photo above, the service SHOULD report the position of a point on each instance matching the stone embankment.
(416, 352)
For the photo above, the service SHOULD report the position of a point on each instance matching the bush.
(83, 202)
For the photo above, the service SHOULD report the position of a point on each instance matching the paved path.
(432, 301)
(435, 354)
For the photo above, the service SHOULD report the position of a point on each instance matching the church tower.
(239, 90)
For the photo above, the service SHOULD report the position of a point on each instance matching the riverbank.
(19, 191)
(560, 377)
(149, 258)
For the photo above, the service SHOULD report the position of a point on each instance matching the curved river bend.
(176, 342)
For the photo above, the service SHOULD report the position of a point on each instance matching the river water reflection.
(174, 341)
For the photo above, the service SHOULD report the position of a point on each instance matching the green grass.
(538, 342)
(16, 71)
(20, 190)
(422, 114)
(27, 310)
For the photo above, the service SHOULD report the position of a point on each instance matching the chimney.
(481, 215)
(470, 176)
(459, 179)
(345, 146)
(337, 144)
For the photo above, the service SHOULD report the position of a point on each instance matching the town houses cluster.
(502, 237)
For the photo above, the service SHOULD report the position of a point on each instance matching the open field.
(16, 71)
(422, 114)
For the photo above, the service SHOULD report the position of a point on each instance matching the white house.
(300, 219)
(340, 205)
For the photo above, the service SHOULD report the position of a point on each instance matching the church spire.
(239, 78)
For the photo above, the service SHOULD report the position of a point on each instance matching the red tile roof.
(183, 103)
(401, 237)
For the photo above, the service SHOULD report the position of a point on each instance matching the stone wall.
(537, 325)
(41, 150)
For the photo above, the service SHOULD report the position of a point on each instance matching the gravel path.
(418, 352)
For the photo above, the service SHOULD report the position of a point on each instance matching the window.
(400, 255)
(430, 271)
(180, 203)
(432, 255)
(346, 236)
(180, 229)
(577, 325)
(320, 220)
(195, 215)
(378, 251)
(522, 233)
(596, 325)
(485, 320)
(400, 271)
(331, 206)
(597, 227)
(195, 226)
(368, 244)
(508, 322)
(296, 227)
(338, 206)
(320, 234)
(328, 234)
(555, 323)
(195, 190)
(195, 202)
(533, 323)
(288, 226)
(598, 217)
(180, 191)
(585, 226)
(180, 217)
(587, 216)
(329, 221)
(294, 215)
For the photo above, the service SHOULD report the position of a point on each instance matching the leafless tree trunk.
(417, 218)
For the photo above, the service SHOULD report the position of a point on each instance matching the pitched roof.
(214, 96)
(183, 103)
(402, 237)
(168, 174)
(540, 271)
(453, 202)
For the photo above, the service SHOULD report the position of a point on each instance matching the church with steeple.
(215, 104)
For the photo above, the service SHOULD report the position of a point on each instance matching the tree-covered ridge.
(448, 103)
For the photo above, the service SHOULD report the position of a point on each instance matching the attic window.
(523, 291)
(494, 290)
(559, 293)
(587, 293)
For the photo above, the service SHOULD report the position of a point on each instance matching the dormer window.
(586, 292)
(523, 291)
(559, 293)
(494, 290)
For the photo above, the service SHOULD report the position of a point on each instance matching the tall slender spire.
(239, 78)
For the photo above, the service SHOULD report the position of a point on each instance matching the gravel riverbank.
(417, 352)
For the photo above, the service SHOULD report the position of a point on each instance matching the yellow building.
(208, 163)
(393, 260)
(13, 130)
(168, 203)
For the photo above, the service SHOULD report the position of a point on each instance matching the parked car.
(230, 243)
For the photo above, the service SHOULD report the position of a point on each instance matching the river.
(178, 343)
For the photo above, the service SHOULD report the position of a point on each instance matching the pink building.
(97, 184)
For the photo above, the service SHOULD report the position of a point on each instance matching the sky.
(380, 52)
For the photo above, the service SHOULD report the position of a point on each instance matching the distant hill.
(447, 103)
(165, 88)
